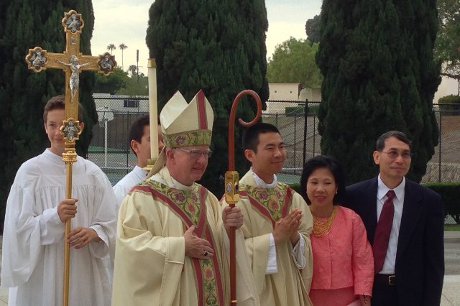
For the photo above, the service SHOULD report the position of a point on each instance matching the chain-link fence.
(110, 149)
(444, 166)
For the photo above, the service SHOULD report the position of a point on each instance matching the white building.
(291, 93)
(121, 103)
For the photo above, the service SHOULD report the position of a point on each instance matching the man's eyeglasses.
(393, 154)
(195, 154)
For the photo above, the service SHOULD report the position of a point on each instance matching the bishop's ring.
(205, 253)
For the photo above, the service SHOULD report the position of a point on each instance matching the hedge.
(450, 193)
(450, 105)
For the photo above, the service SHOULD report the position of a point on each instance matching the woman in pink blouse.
(343, 265)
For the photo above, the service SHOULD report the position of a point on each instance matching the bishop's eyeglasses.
(195, 154)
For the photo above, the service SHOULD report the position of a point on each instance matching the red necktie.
(382, 232)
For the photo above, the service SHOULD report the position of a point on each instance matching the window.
(131, 103)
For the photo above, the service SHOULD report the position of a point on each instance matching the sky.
(121, 21)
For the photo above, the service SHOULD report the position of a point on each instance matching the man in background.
(139, 142)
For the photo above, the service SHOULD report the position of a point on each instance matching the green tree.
(23, 25)
(294, 62)
(217, 46)
(135, 86)
(112, 83)
(133, 70)
(312, 29)
(379, 74)
(121, 84)
(448, 40)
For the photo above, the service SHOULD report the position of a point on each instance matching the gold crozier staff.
(232, 178)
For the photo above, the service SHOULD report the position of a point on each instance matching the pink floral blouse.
(343, 257)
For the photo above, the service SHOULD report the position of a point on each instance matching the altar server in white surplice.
(36, 212)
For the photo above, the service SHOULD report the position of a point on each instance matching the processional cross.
(72, 62)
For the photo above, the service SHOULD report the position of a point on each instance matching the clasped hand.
(287, 228)
(81, 237)
(195, 246)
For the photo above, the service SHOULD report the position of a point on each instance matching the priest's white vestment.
(262, 208)
(33, 238)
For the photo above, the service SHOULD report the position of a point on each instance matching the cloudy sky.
(121, 21)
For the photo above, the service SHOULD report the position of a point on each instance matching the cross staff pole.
(232, 178)
(72, 62)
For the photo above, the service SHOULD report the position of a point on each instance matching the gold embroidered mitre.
(184, 124)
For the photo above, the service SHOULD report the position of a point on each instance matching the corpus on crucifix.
(72, 62)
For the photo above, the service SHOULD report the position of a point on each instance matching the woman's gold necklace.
(322, 226)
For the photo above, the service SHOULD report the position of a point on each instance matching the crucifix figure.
(72, 62)
(74, 66)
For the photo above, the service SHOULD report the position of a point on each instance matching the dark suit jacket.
(420, 254)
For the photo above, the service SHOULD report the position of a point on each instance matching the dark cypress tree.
(377, 61)
(23, 93)
(217, 46)
(5, 105)
(312, 29)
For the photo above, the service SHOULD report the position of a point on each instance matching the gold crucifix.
(72, 62)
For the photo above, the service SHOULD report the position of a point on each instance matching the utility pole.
(137, 64)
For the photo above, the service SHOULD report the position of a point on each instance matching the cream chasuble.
(261, 208)
(33, 241)
(150, 263)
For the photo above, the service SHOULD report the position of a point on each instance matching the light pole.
(104, 115)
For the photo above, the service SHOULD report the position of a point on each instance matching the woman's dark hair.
(327, 162)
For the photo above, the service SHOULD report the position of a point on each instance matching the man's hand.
(196, 247)
(67, 209)
(232, 217)
(81, 237)
(287, 228)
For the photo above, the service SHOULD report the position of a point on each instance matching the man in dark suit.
(412, 267)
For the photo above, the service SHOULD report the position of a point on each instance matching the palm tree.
(133, 70)
(122, 46)
(111, 47)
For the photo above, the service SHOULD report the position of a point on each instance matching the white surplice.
(124, 186)
(33, 241)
